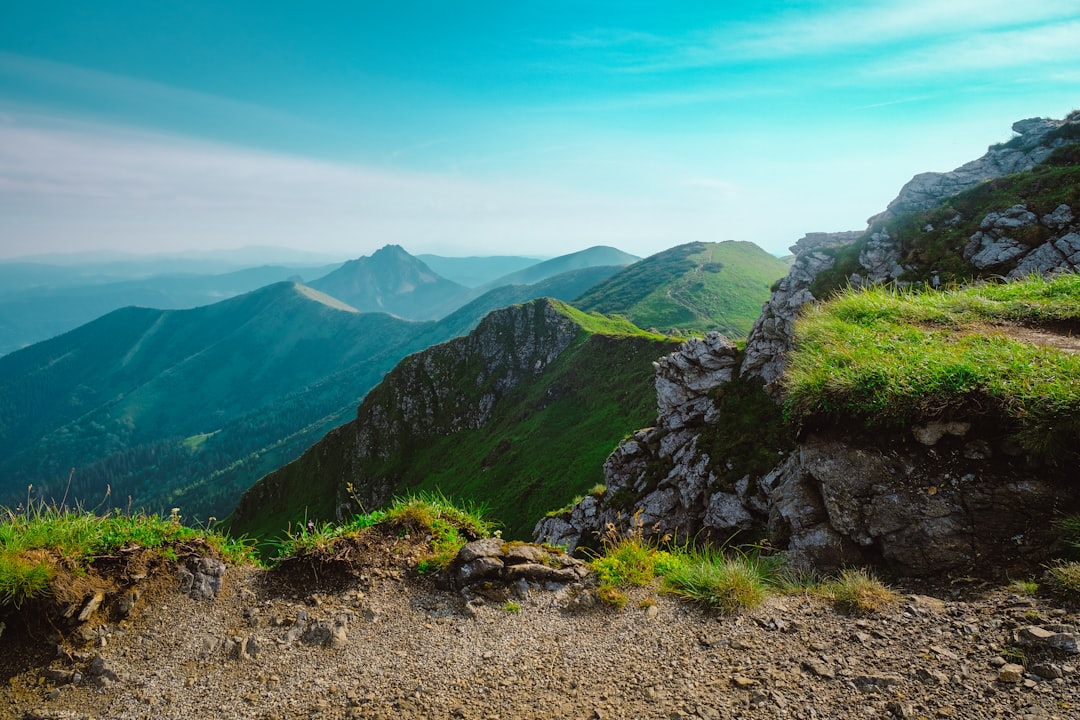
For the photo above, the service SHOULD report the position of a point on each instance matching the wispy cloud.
(62, 182)
(830, 30)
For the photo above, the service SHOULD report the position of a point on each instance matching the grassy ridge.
(691, 288)
(887, 358)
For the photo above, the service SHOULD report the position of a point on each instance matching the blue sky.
(499, 127)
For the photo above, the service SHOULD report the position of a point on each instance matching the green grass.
(1065, 577)
(884, 357)
(857, 591)
(448, 524)
(725, 580)
(35, 543)
(691, 289)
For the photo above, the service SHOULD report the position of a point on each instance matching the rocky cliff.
(917, 499)
(518, 416)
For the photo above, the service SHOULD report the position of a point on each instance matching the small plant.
(857, 591)
(512, 607)
(1014, 654)
(1024, 587)
(1068, 529)
(1065, 577)
(611, 595)
(723, 582)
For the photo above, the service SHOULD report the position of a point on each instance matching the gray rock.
(1049, 637)
(1010, 673)
(1047, 671)
(819, 668)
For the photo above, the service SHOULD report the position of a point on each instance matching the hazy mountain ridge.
(154, 379)
(41, 305)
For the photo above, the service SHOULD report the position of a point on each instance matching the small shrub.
(722, 583)
(1065, 577)
(1024, 587)
(611, 595)
(1068, 529)
(857, 591)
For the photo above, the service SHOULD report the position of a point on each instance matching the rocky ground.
(378, 641)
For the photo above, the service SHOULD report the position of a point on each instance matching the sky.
(499, 128)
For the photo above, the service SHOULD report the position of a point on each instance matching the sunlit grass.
(886, 358)
(36, 541)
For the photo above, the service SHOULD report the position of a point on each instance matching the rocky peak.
(1036, 139)
(880, 255)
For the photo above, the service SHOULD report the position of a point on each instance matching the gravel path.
(388, 646)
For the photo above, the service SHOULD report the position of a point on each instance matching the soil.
(361, 635)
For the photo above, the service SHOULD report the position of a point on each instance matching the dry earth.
(374, 640)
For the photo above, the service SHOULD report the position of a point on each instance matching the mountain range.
(189, 407)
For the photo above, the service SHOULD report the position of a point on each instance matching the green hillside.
(691, 288)
(544, 441)
(187, 407)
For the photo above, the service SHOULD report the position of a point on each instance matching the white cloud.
(67, 186)
(812, 32)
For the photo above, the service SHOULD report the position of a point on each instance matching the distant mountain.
(691, 288)
(519, 415)
(564, 286)
(475, 271)
(598, 256)
(188, 407)
(395, 282)
(38, 302)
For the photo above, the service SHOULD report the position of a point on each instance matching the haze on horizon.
(499, 128)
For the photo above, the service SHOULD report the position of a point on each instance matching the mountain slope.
(40, 302)
(691, 288)
(599, 255)
(518, 415)
(155, 404)
(395, 282)
(564, 286)
(477, 270)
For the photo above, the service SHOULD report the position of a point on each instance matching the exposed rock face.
(921, 500)
(961, 504)
(684, 498)
(684, 379)
(996, 243)
(770, 338)
(1031, 146)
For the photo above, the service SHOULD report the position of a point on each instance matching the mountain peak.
(392, 281)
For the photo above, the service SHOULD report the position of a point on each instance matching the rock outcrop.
(1036, 139)
(918, 500)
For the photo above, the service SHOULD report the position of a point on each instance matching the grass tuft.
(725, 583)
(1065, 577)
(857, 591)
